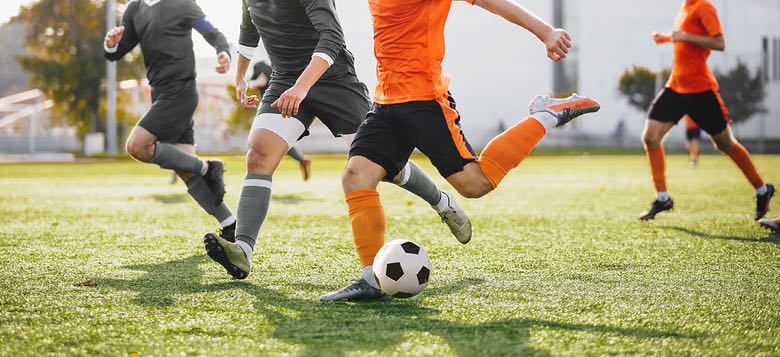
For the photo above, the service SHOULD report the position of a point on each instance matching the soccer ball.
(402, 268)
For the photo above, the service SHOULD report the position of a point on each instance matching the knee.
(651, 140)
(474, 190)
(139, 150)
(724, 145)
(354, 180)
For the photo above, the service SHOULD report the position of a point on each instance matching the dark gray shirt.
(163, 28)
(292, 31)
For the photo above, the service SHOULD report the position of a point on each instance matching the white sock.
(246, 248)
(228, 221)
(444, 202)
(368, 276)
(547, 120)
(762, 190)
(204, 168)
(662, 196)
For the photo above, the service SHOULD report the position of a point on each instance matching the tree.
(64, 40)
(240, 119)
(638, 84)
(743, 94)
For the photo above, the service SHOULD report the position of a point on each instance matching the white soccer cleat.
(564, 109)
(456, 219)
(771, 224)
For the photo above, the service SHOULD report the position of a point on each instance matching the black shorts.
(392, 131)
(706, 109)
(693, 134)
(340, 102)
(170, 117)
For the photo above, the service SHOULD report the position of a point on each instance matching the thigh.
(340, 104)
(434, 128)
(708, 111)
(380, 141)
(272, 93)
(667, 107)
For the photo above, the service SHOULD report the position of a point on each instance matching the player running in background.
(692, 140)
(165, 135)
(313, 76)
(260, 79)
(693, 90)
(414, 109)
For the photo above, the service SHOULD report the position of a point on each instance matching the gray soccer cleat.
(771, 224)
(456, 219)
(227, 254)
(359, 290)
(565, 109)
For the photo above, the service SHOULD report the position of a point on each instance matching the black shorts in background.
(693, 134)
(391, 132)
(706, 109)
(170, 117)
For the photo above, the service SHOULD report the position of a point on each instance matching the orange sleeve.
(709, 19)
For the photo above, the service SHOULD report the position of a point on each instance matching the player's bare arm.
(249, 102)
(290, 101)
(556, 41)
(661, 38)
(717, 43)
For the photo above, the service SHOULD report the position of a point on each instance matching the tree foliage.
(64, 41)
(240, 119)
(743, 94)
(638, 84)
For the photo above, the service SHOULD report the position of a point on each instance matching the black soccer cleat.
(656, 208)
(359, 290)
(228, 233)
(215, 180)
(762, 201)
(227, 254)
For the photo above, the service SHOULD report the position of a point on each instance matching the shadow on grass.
(291, 199)
(340, 328)
(170, 198)
(774, 239)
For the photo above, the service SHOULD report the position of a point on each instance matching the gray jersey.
(163, 28)
(292, 31)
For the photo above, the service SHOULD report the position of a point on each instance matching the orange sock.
(658, 167)
(741, 157)
(508, 149)
(694, 151)
(368, 223)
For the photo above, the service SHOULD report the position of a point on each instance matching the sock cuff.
(362, 199)
(262, 181)
(546, 122)
(654, 150)
(736, 148)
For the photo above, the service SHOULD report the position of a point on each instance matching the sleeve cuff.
(110, 50)
(325, 57)
(246, 51)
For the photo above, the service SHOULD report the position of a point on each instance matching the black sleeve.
(211, 34)
(322, 14)
(129, 38)
(249, 36)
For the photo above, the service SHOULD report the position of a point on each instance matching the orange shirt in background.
(409, 48)
(690, 73)
(689, 123)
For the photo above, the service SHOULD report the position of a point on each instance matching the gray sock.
(170, 157)
(413, 179)
(199, 190)
(296, 154)
(252, 207)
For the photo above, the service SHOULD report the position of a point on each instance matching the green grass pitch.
(106, 258)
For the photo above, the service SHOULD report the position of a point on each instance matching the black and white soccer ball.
(402, 268)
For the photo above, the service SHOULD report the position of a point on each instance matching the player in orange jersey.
(414, 109)
(693, 90)
(692, 139)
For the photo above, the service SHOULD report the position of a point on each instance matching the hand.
(223, 63)
(246, 102)
(113, 36)
(678, 36)
(290, 101)
(661, 38)
(557, 42)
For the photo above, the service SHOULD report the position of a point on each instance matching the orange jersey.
(409, 48)
(690, 73)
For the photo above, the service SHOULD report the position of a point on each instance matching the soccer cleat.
(215, 180)
(359, 290)
(227, 254)
(656, 208)
(693, 163)
(762, 201)
(564, 109)
(456, 219)
(228, 233)
(771, 224)
(306, 169)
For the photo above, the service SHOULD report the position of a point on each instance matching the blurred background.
(53, 78)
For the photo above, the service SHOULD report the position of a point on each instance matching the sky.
(10, 8)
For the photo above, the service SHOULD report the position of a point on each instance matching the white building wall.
(615, 35)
